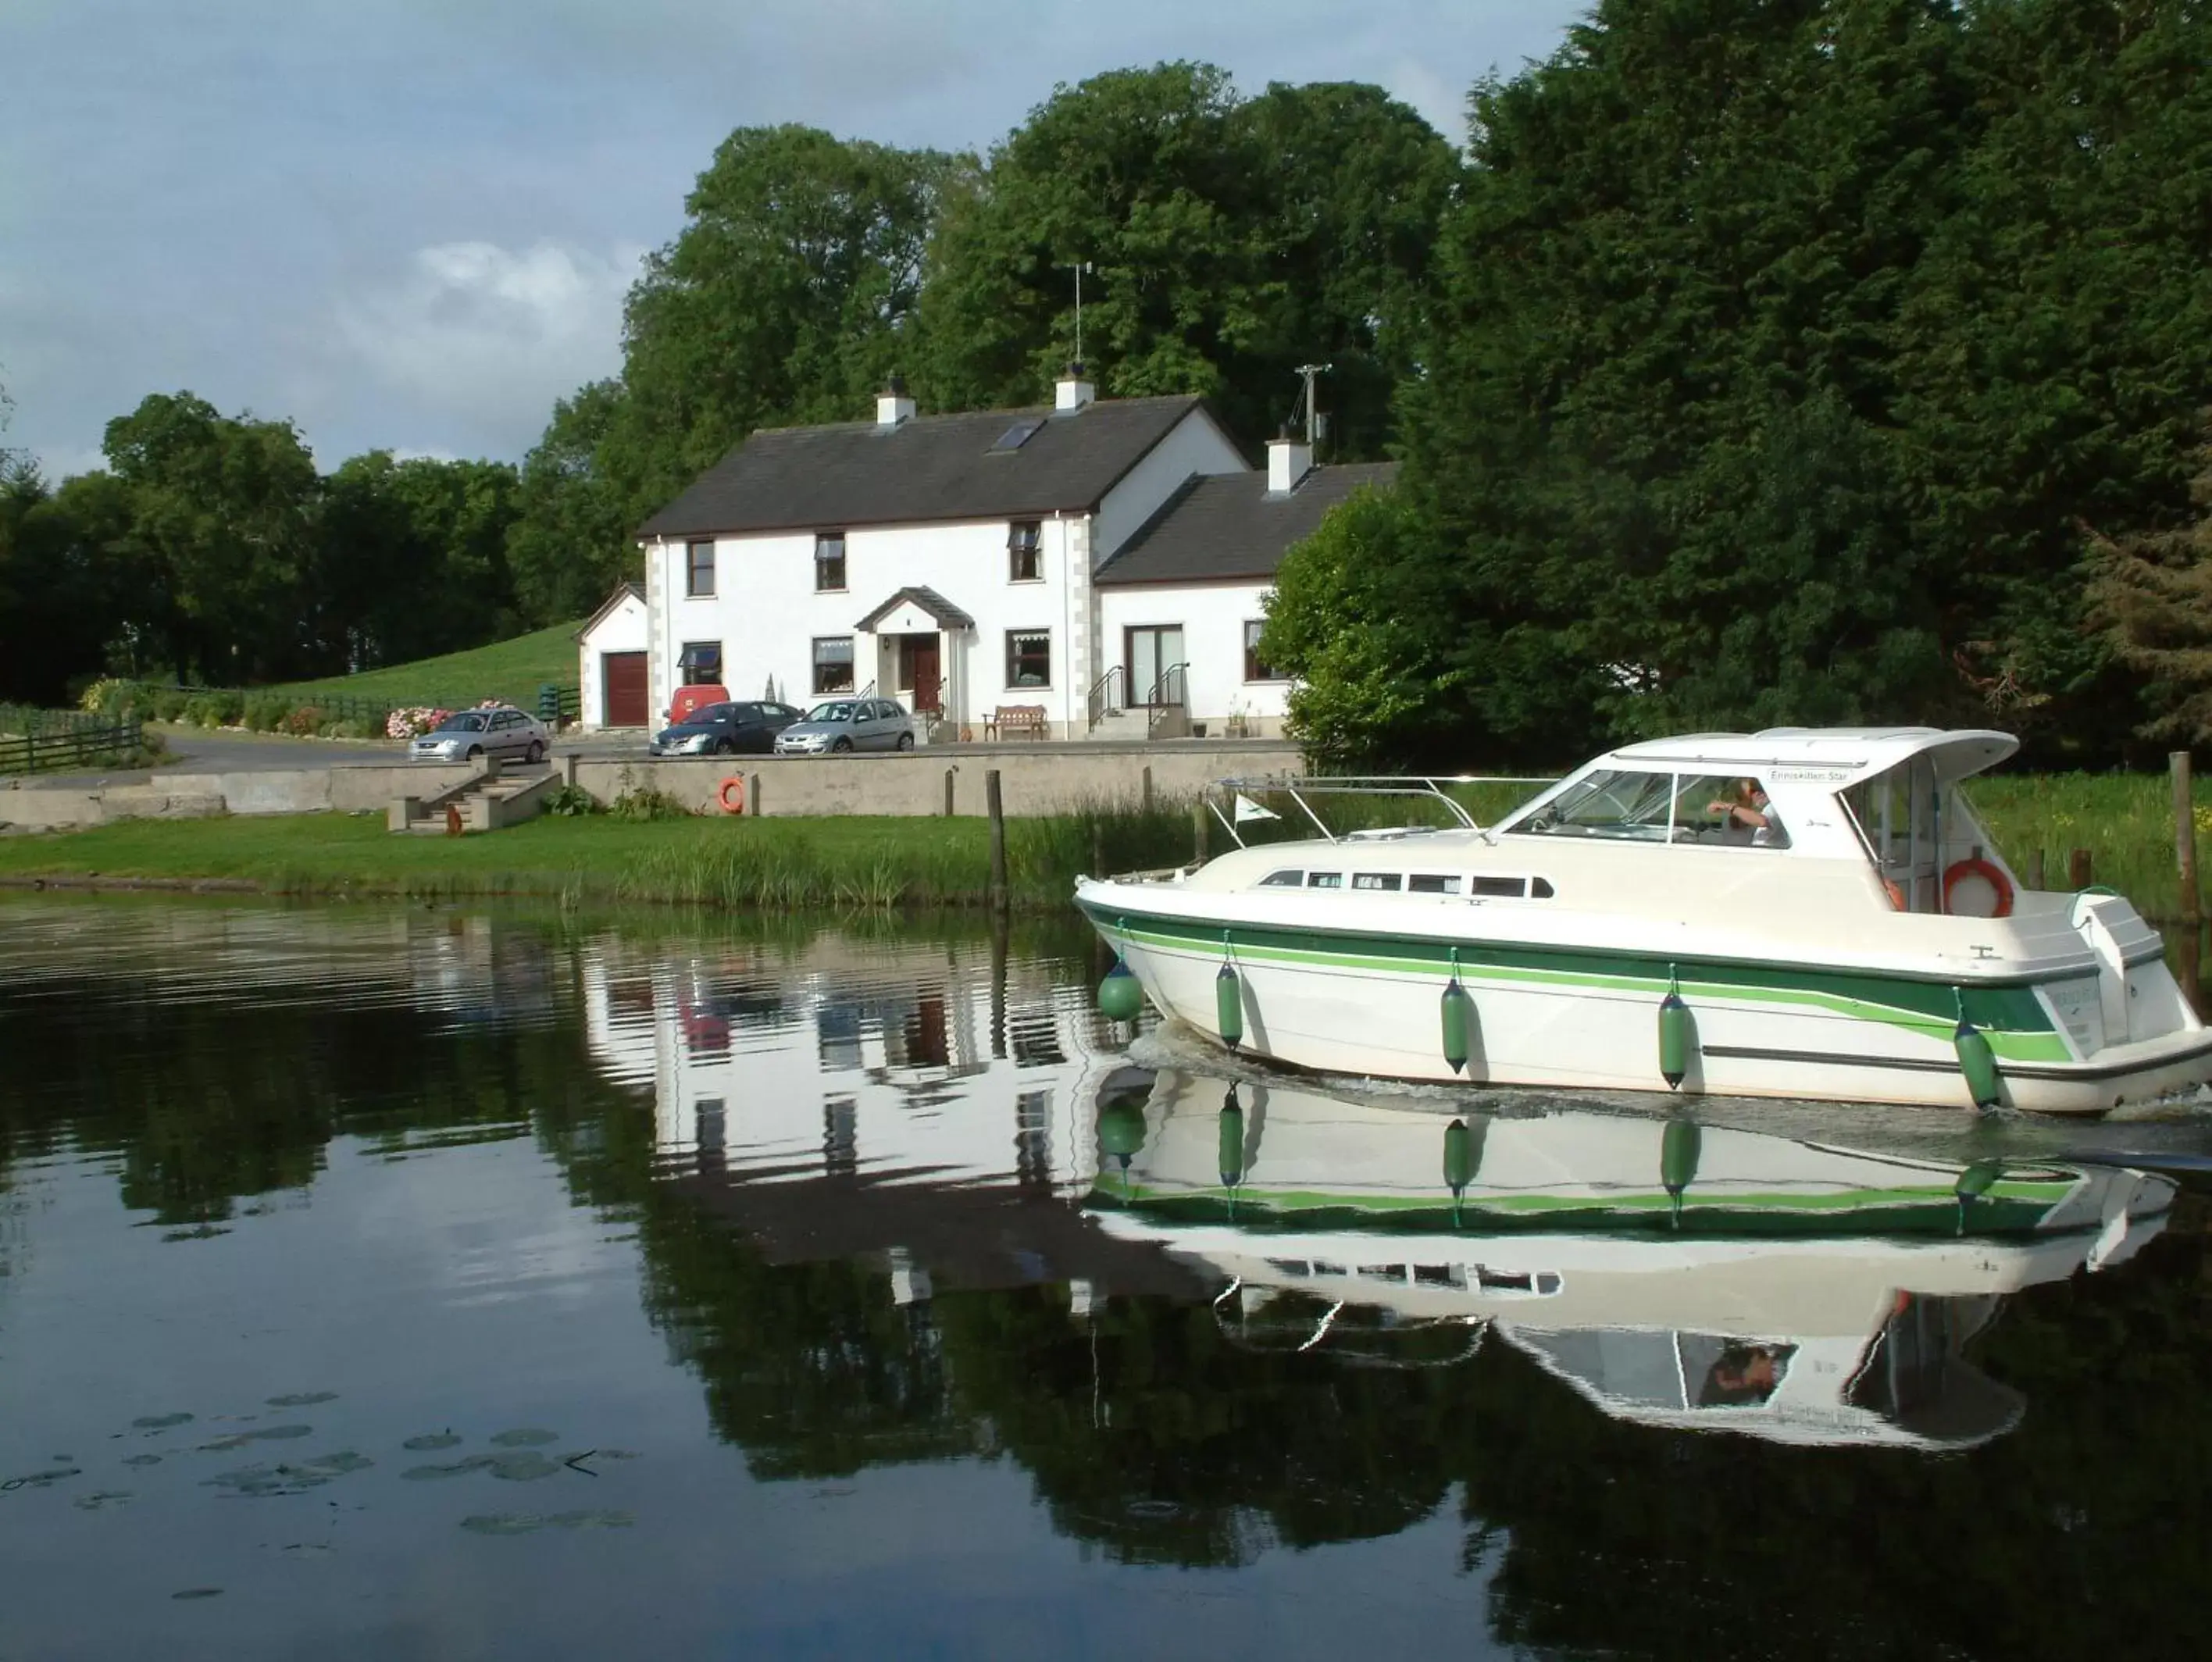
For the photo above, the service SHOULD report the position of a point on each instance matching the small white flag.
(1249, 810)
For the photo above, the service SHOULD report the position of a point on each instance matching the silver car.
(840, 725)
(469, 735)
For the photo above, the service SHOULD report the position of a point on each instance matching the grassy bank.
(2124, 821)
(771, 863)
(511, 670)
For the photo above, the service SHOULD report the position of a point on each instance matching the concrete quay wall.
(1034, 780)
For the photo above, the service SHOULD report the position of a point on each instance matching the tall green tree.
(570, 543)
(225, 508)
(413, 557)
(782, 299)
(1227, 241)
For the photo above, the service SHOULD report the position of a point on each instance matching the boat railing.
(1301, 787)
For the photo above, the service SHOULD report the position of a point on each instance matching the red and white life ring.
(734, 795)
(1981, 871)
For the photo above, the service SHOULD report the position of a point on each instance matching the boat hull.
(1365, 1005)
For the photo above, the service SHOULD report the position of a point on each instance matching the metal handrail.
(1175, 682)
(1101, 694)
(1298, 787)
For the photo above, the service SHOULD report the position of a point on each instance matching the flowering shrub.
(407, 723)
(105, 696)
(303, 721)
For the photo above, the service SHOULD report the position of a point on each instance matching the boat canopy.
(1836, 756)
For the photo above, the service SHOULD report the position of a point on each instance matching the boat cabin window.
(1628, 806)
(1430, 882)
(1389, 880)
(1283, 880)
(1500, 888)
(1324, 880)
(1541, 889)
(1913, 826)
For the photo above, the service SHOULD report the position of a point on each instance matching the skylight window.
(1019, 435)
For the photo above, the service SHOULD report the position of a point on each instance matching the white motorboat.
(1799, 912)
(1676, 1275)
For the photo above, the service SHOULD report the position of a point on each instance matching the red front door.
(626, 701)
(923, 667)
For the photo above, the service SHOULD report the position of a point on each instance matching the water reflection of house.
(845, 1059)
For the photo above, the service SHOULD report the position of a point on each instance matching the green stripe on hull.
(2012, 1017)
(2010, 1209)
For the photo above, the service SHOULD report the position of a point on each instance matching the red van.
(691, 698)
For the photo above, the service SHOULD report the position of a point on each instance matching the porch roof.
(945, 613)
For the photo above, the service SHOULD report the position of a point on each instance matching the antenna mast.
(1078, 267)
(1307, 373)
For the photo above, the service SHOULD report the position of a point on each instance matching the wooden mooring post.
(1197, 832)
(995, 807)
(2078, 875)
(2189, 956)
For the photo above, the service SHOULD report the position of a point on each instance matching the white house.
(1098, 557)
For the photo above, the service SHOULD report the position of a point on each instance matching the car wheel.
(535, 754)
(475, 753)
(906, 741)
(842, 745)
(724, 747)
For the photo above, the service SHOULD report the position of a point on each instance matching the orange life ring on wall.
(1995, 877)
(734, 795)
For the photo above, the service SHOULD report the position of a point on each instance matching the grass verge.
(844, 863)
(511, 670)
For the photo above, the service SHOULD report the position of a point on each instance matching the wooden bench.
(1010, 720)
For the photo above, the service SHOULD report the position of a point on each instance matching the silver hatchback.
(498, 730)
(840, 725)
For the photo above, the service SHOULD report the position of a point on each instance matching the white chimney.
(892, 406)
(1290, 459)
(1071, 390)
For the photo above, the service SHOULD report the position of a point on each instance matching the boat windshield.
(1632, 806)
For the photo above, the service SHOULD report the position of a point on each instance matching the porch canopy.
(915, 611)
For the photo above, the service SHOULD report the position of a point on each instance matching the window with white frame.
(833, 663)
(699, 568)
(1029, 658)
(1024, 552)
(1257, 668)
(828, 562)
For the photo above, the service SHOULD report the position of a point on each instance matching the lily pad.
(141, 1459)
(301, 1399)
(433, 1440)
(528, 1523)
(524, 1468)
(527, 1437)
(159, 1421)
(198, 1592)
(102, 1499)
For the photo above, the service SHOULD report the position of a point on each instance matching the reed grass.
(882, 865)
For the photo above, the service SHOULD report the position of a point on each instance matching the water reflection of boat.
(1673, 1274)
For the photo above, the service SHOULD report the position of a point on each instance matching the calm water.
(393, 1282)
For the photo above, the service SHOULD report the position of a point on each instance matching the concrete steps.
(490, 800)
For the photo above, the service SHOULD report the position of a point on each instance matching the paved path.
(196, 750)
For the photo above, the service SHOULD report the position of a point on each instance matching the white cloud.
(487, 337)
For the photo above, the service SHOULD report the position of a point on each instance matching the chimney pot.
(1073, 390)
(893, 406)
(1290, 459)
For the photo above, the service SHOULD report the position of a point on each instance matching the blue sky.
(408, 223)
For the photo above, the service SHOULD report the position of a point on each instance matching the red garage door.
(623, 675)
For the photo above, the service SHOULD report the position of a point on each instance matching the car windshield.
(467, 722)
(831, 713)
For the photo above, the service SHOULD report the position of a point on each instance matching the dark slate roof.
(1225, 525)
(927, 467)
(929, 600)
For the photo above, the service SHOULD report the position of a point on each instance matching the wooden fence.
(84, 743)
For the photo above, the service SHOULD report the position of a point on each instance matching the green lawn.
(511, 670)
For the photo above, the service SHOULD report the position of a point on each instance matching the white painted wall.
(627, 628)
(767, 613)
(1213, 616)
(1193, 445)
